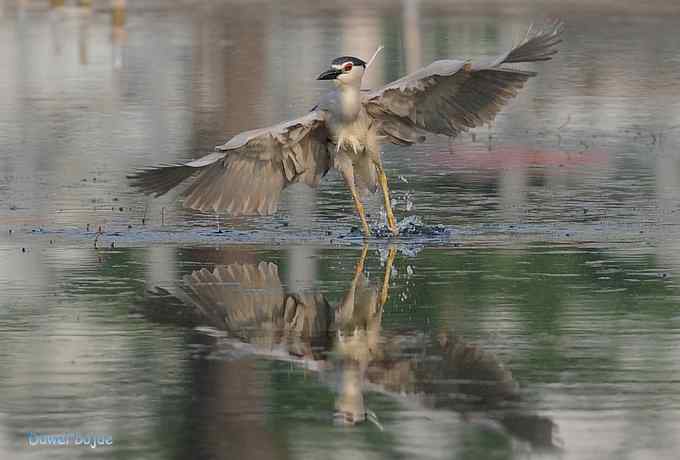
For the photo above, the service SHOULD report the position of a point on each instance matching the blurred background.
(561, 260)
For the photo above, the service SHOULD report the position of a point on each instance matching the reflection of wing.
(536, 429)
(237, 297)
(459, 368)
(246, 175)
(249, 302)
(479, 372)
(457, 375)
(449, 96)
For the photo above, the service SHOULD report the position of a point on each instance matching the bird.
(344, 131)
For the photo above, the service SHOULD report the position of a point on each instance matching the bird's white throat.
(350, 101)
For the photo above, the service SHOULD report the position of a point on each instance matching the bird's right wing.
(246, 175)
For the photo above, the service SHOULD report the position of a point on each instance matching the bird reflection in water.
(358, 322)
(246, 308)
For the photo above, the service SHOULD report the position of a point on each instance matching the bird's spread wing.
(246, 175)
(450, 96)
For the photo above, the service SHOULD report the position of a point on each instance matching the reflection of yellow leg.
(345, 309)
(362, 259)
(391, 254)
(382, 179)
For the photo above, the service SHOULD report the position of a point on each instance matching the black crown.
(352, 59)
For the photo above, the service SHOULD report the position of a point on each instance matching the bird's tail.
(539, 44)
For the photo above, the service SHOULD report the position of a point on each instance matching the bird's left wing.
(450, 96)
(246, 175)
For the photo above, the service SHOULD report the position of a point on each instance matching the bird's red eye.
(347, 67)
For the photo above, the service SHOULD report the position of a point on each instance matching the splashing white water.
(410, 221)
(409, 202)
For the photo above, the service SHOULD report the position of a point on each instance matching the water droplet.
(409, 202)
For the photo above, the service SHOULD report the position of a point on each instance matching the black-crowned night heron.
(246, 175)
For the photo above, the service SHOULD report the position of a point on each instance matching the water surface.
(538, 318)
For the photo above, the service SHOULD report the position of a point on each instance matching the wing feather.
(246, 175)
(451, 96)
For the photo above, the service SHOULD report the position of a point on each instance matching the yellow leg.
(347, 172)
(360, 209)
(391, 253)
(382, 179)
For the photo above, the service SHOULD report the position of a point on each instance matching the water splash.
(409, 202)
(413, 225)
(410, 222)
(410, 226)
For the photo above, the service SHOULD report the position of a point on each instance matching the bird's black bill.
(330, 74)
